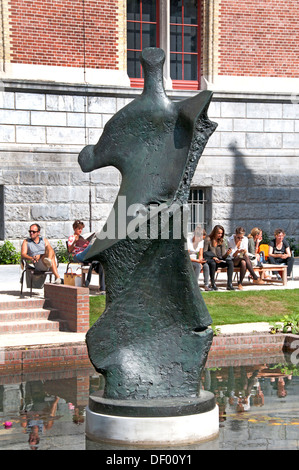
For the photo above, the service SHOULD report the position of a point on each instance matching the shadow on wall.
(262, 196)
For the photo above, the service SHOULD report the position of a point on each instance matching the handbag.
(72, 279)
(253, 259)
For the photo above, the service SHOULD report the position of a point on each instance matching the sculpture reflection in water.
(153, 339)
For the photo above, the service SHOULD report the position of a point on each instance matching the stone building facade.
(64, 74)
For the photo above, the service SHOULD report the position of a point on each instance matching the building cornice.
(33, 86)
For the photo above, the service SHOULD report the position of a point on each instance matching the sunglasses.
(33, 231)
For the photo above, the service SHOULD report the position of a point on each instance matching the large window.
(184, 43)
(196, 205)
(144, 29)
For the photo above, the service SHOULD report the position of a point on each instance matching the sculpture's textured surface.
(152, 340)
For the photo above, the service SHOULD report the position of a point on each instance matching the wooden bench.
(282, 269)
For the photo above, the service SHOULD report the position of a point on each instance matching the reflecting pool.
(258, 407)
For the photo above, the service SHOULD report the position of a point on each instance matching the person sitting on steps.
(38, 251)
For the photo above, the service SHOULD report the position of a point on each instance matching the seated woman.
(280, 251)
(239, 250)
(254, 240)
(217, 256)
(77, 245)
(195, 248)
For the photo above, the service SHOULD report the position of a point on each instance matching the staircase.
(27, 316)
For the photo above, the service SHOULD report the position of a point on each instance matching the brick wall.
(259, 38)
(69, 33)
(72, 304)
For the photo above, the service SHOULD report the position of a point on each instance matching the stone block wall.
(249, 168)
(251, 163)
(41, 136)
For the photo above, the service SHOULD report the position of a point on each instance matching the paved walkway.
(10, 289)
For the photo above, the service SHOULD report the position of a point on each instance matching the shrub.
(62, 254)
(9, 254)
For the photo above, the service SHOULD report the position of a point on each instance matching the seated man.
(37, 250)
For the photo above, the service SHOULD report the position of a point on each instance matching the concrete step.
(28, 316)
(22, 314)
(26, 326)
(21, 303)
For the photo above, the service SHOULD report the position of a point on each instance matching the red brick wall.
(259, 38)
(72, 304)
(51, 32)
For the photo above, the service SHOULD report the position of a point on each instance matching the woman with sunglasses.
(239, 246)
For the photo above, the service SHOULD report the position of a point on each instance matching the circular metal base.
(153, 422)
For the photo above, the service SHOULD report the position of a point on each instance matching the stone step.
(29, 326)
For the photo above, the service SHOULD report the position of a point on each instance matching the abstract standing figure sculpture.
(153, 339)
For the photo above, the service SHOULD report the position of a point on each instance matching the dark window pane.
(149, 10)
(190, 67)
(148, 35)
(176, 38)
(190, 11)
(176, 66)
(140, 34)
(190, 39)
(133, 64)
(176, 11)
(133, 10)
(133, 36)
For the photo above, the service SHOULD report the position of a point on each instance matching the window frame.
(193, 205)
(188, 84)
(176, 84)
(134, 81)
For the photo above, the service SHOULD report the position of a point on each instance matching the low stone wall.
(72, 304)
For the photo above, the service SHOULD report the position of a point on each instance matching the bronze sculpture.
(153, 339)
